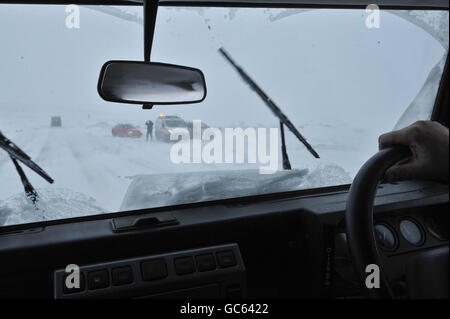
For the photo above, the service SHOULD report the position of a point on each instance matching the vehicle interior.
(308, 243)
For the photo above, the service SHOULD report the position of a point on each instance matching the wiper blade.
(286, 162)
(16, 155)
(29, 189)
(14, 151)
(275, 109)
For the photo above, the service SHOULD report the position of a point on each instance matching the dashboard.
(400, 235)
(411, 230)
(279, 246)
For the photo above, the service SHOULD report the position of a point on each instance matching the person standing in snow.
(149, 129)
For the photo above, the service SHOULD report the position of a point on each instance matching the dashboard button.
(122, 276)
(205, 262)
(98, 279)
(226, 258)
(184, 265)
(153, 269)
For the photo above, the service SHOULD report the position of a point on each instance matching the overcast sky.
(321, 66)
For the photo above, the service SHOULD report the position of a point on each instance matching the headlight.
(130, 132)
(170, 131)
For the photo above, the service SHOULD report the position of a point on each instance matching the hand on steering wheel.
(428, 142)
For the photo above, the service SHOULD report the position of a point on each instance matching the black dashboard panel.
(213, 272)
(291, 236)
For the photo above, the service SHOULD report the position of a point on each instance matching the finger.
(402, 172)
(400, 137)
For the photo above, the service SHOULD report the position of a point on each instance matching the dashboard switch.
(98, 279)
(205, 262)
(153, 269)
(184, 265)
(122, 276)
(226, 258)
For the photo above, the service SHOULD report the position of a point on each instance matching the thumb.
(401, 172)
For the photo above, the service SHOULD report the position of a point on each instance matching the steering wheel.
(359, 216)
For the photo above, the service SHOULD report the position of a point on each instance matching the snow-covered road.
(93, 170)
(87, 159)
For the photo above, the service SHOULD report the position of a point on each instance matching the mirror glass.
(150, 83)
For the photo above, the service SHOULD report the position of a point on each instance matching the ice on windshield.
(340, 83)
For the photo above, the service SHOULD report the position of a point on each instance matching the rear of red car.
(126, 130)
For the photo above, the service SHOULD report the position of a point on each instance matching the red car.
(126, 130)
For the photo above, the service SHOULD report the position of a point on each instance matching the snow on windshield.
(340, 83)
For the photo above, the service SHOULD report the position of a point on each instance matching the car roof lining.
(400, 4)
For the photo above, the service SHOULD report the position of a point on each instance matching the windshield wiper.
(275, 109)
(16, 155)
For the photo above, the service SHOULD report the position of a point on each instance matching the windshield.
(341, 81)
(175, 123)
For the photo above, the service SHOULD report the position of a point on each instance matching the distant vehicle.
(56, 121)
(126, 130)
(165, 124)
(190, 127)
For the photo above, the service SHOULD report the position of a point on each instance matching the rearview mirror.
(150, 83)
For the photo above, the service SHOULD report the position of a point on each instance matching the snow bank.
(54, 203)
(157, 190)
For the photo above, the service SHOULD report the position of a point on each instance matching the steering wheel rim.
(359, 217)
